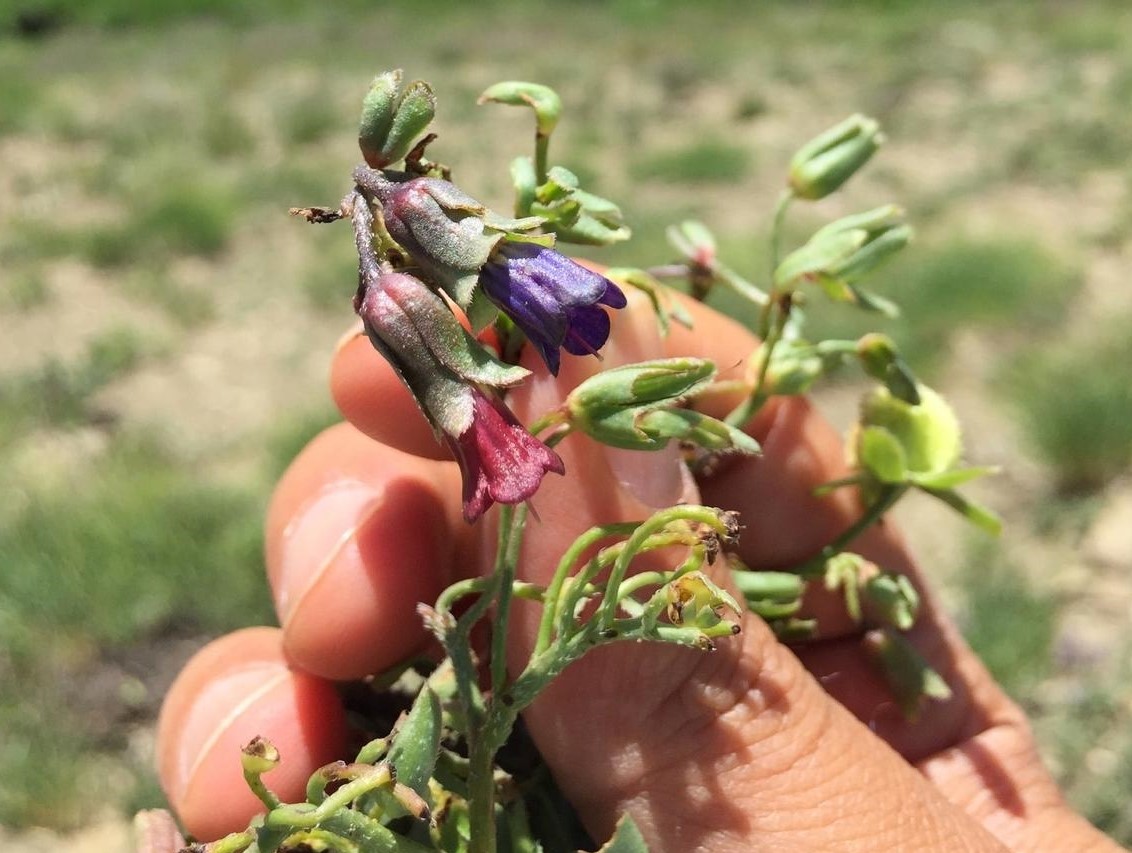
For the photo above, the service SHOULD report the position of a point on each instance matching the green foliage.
(143, 546)
(1075, 404)
(28, 291)
(1009, 623)
(59, 395)
(179, 219)
(985, 284)
(706, 161)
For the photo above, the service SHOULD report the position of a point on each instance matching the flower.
(450, 377)
(552, 299)
(499, 459)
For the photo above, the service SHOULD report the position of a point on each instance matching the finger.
(706, 751)
(373, 398)
(357, 535)
(234, 689)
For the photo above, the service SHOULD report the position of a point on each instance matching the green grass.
(1074, 401)
(1005, 286)
(710, 161)
(146, 547)
(182, 218)
(59, 395)
(1009, 624)
(27, 291)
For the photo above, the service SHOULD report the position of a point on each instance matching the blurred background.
(165, 327)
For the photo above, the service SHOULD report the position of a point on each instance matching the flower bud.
(635, 407)
(927, 434)
(542, 99)
(829, 159)
(880, 359)
(886, 233)
(891, 599)
(641, 385)
(910, 678)
(694, 242)
(393, 118)
(695, 601)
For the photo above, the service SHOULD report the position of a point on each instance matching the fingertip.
(236, 688)
(373, 398)
(358, 534)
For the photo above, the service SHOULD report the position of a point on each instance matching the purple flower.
(552, 299)
(411, 326)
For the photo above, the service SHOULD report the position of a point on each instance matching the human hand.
(753, 747)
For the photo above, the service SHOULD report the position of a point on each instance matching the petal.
(588, 332)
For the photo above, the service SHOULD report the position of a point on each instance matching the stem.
(574, 553)
(890, 495)
(776, 224)
(542, 145)
(705, 515)
(511, 521)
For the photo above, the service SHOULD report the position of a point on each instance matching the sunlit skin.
(752, 747)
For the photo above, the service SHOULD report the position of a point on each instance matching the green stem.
(705, 515)
(511, 521)
(888, 498)
(542, 146)
(780, 208)
(573, 554)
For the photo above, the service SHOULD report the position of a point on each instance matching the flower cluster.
(419, 236)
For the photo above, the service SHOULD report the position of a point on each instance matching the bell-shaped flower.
(447, 370)
(552, 299)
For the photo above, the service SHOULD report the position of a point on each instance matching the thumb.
(705, 750)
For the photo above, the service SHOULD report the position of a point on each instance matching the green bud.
(880, 360)
(642, 386)
(694, 242)
(542, 99)
(829, 159)
(927, 434)
(891, 599)
(886, 233)
(695, 601)
(393, 118)
(259, 756)
(636, 407)
(911, 679)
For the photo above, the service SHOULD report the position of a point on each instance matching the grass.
(999, 286)
(60, 395)
(709, 161)
(1075, 406)
(145, 549)
(1010, 624)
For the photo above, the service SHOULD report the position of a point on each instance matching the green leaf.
(416, 743)
(910, 677)
(954, 477)
(979, 515)
(818, 256)
(542, 99)
(869, 301)
(626, 838)
(879, 451)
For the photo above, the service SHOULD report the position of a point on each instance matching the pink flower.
(499, 459)
(451, 380)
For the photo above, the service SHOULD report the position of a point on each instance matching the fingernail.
(202, 728)
(655, 478)
(320, 531)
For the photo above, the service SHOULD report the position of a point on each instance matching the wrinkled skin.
(753, 747)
